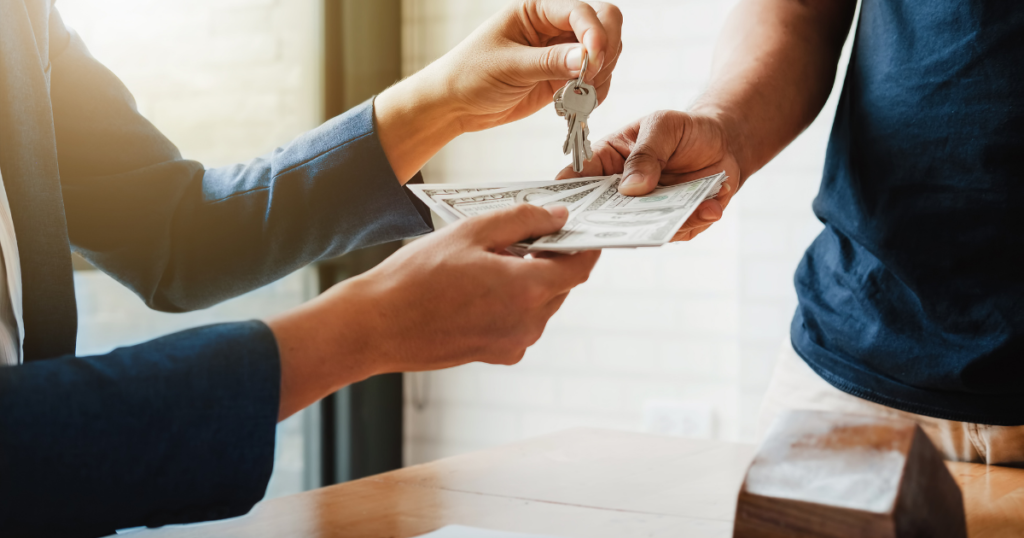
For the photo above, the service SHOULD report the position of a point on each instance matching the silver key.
(575, 101)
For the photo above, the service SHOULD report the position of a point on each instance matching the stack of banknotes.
(599, 216)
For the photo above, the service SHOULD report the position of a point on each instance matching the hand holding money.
(450, 298)
(669, 148)
(600, 215)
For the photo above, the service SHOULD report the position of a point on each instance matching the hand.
(669, 147)
(448, 299)
(506, 70)
(511, 65)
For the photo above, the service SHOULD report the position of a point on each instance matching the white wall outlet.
(679, 418)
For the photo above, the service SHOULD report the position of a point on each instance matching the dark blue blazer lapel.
(28, 160)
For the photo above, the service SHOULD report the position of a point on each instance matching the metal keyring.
(583, 69)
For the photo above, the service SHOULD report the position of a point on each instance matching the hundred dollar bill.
(479, 203)
(610, 219)
(432, 194)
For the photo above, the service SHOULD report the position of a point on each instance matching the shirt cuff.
(354, 179)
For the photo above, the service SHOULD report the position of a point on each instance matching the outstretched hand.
(512, 64)
(447, 299)
(667, 148)
(507, 69)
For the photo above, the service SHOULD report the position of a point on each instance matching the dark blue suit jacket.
(179, 429)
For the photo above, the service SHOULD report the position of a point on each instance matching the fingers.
(554, 17)
(557, 62)
(611, 19)
(569, 173)
(561, 273)
(590, 31)
(688, 234)
(538, 325)
(709, 211)
(656, 140)
(706, 214)
(607, 161)
(499, 229)
(603, 82)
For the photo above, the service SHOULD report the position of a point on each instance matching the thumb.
(500, 229)
(557, 62)
(642, 169)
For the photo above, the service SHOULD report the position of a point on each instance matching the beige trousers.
(795, 386)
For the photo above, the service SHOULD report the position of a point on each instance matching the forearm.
(185, 238)
(323, 347)
(774, 68)
(415, 119)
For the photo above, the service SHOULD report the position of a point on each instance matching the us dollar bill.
(613, 220)
(479, 203)
(434, 195)
(599, 215)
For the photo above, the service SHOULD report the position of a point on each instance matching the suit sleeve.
(175, 430)
(184, 237)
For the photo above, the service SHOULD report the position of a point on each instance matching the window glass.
(225, 81)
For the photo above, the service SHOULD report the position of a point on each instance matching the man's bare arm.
(774, 67)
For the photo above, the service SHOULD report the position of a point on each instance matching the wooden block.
(836, 475)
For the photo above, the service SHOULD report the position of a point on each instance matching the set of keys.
(575, 101)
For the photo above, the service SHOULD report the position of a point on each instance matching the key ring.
(583, 71)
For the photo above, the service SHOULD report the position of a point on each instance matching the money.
(599, 215)
(610, 219)
(433, 194)
(479, 203)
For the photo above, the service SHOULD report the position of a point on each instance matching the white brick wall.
(226, 81)
(699, 322)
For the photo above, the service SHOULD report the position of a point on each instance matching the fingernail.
(574, 60)
(725, 188)
(709, 214)
(633, 179)
(559, 211)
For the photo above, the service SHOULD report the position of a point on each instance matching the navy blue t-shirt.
(913, 295)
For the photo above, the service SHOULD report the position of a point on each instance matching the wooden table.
(578, 483)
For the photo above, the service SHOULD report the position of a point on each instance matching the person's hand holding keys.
(504, 71)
